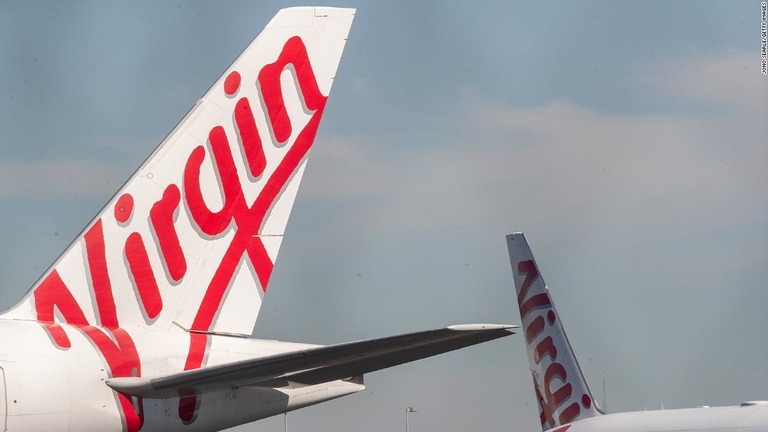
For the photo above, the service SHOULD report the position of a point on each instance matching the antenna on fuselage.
(605, 396)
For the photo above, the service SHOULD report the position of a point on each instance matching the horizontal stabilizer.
(315, 365)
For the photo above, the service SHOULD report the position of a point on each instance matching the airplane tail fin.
(561, 390)
(191, 239)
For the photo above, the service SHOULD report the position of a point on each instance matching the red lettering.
(535, 302)
(214, 223)
(188, 405)
(294, 53)
(100, 282)
(261, 262)
(586, 401)
(123, 361)
(528, 268)
(545, 347)
(143, 276)
(250, 141)
(198, 345)
(114, 344)
(562, 394)
(534, 329)
(121, 357)
(232, 83)
(52, 292)
(189, 402)
(218, 285)
(162, 216)
(556, 398)
(570, 413)
(547, 416)
(249, 220)
(124, 209)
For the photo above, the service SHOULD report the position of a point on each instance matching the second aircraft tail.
(561, 390)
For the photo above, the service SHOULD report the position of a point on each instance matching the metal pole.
(408, 410)
(285, 422)
(407, 428)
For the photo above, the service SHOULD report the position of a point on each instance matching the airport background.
(627, 139)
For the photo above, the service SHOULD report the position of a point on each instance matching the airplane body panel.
(51, 389)
(711, 419)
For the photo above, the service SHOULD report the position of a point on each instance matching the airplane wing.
(315, 365)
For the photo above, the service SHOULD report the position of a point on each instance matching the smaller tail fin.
(561, 390)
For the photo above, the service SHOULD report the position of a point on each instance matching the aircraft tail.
(191, 239)
(561, 390)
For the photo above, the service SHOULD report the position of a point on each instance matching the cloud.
(576, 160)
(57, 177)
(562, 166)
(347, 167)
(731, 79)
(494, 165)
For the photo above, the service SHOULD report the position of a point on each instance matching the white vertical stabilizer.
(191, 239)
(561, 390)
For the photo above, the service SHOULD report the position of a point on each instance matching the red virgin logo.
(539, 324)
(245, 218)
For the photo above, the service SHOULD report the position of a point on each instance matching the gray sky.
(628, 140)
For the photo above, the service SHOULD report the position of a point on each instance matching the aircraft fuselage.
(711, 419)
(49, 388)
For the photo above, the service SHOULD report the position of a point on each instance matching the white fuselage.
(46, 388)
(714, 419)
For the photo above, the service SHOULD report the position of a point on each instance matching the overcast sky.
(627, 139)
